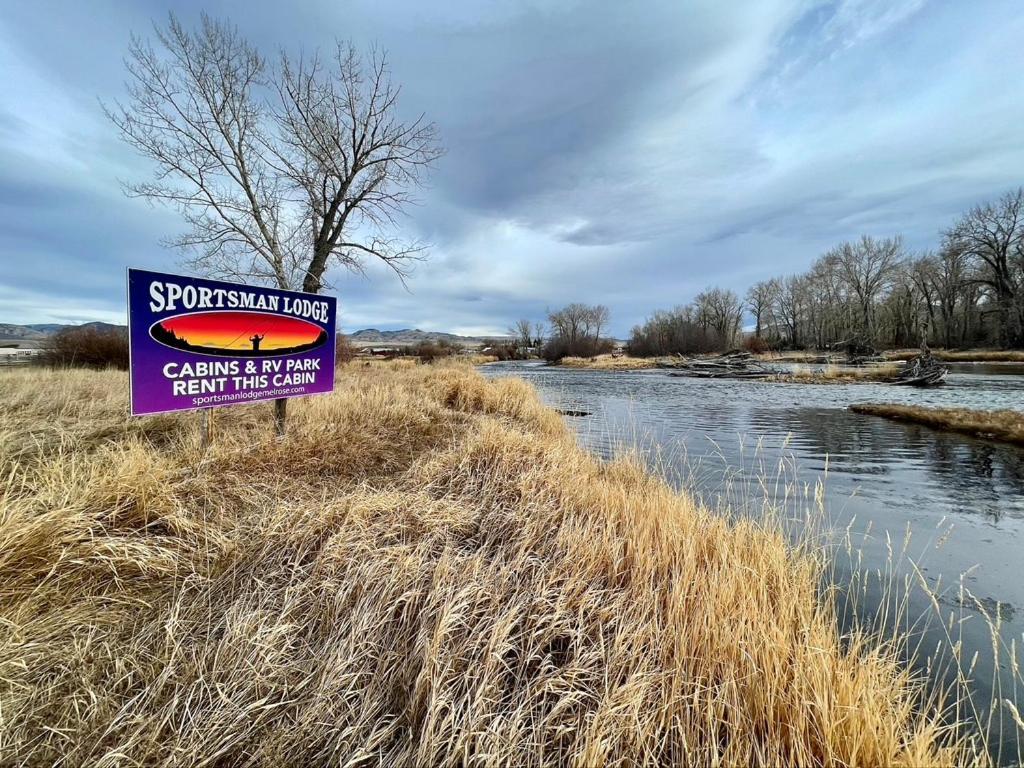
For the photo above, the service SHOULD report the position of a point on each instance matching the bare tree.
(572, 322)
(759, 301)
(790, 307)
(674, 332)
(274, 168)
(539, 334)
(866, 267)
(953, 294)
(923, 272)
(722, 311)
(576, 331)
(522, 331)
(599, 317)
(992, 235)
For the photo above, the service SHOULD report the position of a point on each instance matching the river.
(746, 446)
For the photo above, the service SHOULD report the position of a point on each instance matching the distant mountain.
(366, 336)
(46, 327)
(407, 336)
(11, 332)
(101, 326)
(39, 331)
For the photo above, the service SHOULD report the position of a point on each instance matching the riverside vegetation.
(426, 571)
(1007, 426)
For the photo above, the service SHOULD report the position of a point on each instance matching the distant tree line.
(710, 323)
(87, 346)
(575, 331)
(871, 292)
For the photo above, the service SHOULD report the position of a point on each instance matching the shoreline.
(627, 363)
(830, 374)
(1005, 426)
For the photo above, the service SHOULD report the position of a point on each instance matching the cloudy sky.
(623, 153)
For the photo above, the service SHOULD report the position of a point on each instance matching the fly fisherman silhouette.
(256, 342)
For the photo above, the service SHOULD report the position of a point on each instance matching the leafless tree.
(866, 267)
(522, 332)
(759, 300)
(539, 333)
(992, 235)
(790, 307)
(572, 322)
(923, 273)
(721, 310)
(576, 330)
(275, 168)
(673, 332)
(599, 317)
(954, 294)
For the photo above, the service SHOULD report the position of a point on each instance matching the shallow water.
(739, 443)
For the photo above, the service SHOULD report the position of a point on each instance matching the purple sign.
(198, 343)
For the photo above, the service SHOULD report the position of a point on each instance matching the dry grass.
(426, 571)
(835, 374)
(478, 359)
(790, 356)
(1007, 426)
(610, 363)
(962, 355)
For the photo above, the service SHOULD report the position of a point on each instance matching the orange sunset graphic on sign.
(238, 333)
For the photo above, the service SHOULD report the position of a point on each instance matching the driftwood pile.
(731, 365)
(921, 371)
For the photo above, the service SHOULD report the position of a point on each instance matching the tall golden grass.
(610, 362)
(838, 374)
(426, 571)
(1005, 425)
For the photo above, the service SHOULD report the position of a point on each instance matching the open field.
(1007, 426)
(426, 571)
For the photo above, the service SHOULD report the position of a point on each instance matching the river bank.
(427, 569)
(799, 373)
(616, 362)
(1006, 425)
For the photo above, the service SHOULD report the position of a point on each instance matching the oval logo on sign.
(232, 333)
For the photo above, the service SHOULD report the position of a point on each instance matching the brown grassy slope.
(426, 571)
(1007, 426)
